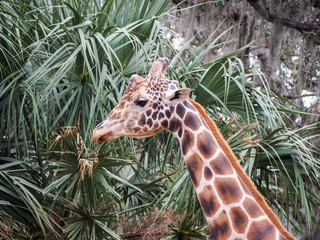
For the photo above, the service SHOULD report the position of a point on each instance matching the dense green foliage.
(65, 65)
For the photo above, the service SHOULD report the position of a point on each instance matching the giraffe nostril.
(100, 125)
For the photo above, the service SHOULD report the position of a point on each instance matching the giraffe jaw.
(105, 136)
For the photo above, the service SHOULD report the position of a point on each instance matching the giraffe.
(233, 207)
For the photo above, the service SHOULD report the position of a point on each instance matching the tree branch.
(302, 27)
(316, 4)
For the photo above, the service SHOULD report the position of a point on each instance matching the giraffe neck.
(230, 208)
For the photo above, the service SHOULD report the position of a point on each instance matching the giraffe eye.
(141, 102)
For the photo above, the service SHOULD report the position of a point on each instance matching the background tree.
(285, 38)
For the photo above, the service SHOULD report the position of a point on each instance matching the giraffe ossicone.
(233, 207)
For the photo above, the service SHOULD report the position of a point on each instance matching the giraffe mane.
(242, 174)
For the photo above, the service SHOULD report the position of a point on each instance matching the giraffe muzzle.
(102, 133)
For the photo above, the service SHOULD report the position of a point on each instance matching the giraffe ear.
(179, 95)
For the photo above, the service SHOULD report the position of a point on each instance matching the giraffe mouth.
(102, 136)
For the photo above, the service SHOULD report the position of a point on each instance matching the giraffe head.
(145, 108)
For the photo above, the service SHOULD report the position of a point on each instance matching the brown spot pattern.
(228, 189)
(239, 219)
(206, 144)
(161, 115)
(155, 105)
(195, 165)
(180, 132)
(189, 105)
(136, 129)
(187, 142)
(164, 123)
(115, 115)
(207, 173)
(130, 124)
(180, 110)
(220, 227)
(149, 122)
(168, 113)
(154, 115)
(262, 230)
(175, 125)
(221, 164)
(192, 121)
(209, 201)
(252, 208)
(142, 120)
